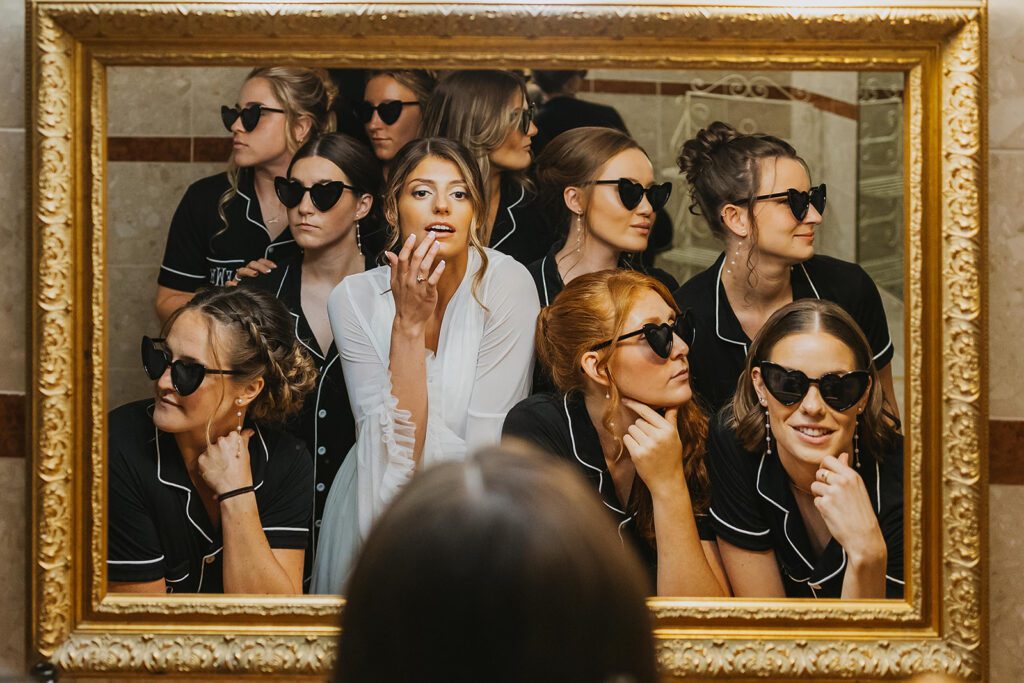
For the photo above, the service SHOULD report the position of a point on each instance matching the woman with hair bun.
(227, 220)
(490, 114)
(329, 191)
(755, 193)
(616, 346)
(806, 469)
(206, 495)
(436, 346)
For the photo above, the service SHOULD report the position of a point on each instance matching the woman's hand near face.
(413, 285)
(225, 464)
(255, 268)
(842, 500)
(654, 446)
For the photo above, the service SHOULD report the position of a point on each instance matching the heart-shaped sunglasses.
(839, 390)
(659, 336)
(186, 375)
(798, 201)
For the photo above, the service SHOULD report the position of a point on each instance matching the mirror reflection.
(686, 284)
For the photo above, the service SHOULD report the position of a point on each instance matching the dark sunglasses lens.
(364, 111)
(786, 387)
(842, 392)
(818, 198)
(798, 202)
(389, 111)
(228, 115)
(251, 117)
(288, 191)
(525, 120)
(326, 195)
(630, 193)
(186, 377)
(659, 338)
(658, 195)
(154, 361)
(684, 328)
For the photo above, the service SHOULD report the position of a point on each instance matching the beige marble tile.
(132, 293)
(13, 276)
(149, 101)
(125, 385)
(12, 54)
(1006, 287)
(141, 199)
(1006, 74)
(1006, 575)
(211, 88)
(13, 521)
(839, 85)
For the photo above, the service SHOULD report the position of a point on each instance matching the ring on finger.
(824, 475)
(420, 278)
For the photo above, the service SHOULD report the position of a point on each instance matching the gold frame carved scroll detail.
(941, 624)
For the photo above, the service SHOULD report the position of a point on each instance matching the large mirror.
(899, 207)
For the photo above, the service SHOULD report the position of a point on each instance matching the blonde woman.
(227, 220)
(490, 114)
(436, 346)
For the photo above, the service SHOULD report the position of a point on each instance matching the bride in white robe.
(435, 347)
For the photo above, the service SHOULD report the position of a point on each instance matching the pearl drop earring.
(238, 413)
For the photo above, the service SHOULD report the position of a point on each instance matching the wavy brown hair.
(591, 309)
(260, 342)
(746, 415)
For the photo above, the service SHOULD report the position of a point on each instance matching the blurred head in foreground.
(504, 567)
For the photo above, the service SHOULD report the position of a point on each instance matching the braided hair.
(262, 343)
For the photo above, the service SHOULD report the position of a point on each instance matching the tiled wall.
(149, 209)
(1006, 329)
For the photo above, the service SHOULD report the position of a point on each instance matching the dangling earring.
(856, 442)
(767, 433)
(608, 395)
(238, 413)
(359, 240)
(579, 232)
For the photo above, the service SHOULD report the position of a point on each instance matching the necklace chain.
(801, 490)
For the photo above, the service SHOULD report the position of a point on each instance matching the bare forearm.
(170, 300)
(249, 563)
(683, 567)
(408, 364)
(865, 576)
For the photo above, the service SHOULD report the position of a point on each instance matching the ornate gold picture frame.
(941, 624)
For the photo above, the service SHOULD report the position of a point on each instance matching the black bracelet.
(237, 492)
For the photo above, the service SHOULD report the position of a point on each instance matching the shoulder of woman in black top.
(698, 287)
(541, 420)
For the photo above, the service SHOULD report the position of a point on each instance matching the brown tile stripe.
(1006, 452)
(216, 149)
(12, 426)
(605, 86)
(1006, 441)
(168, 149)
